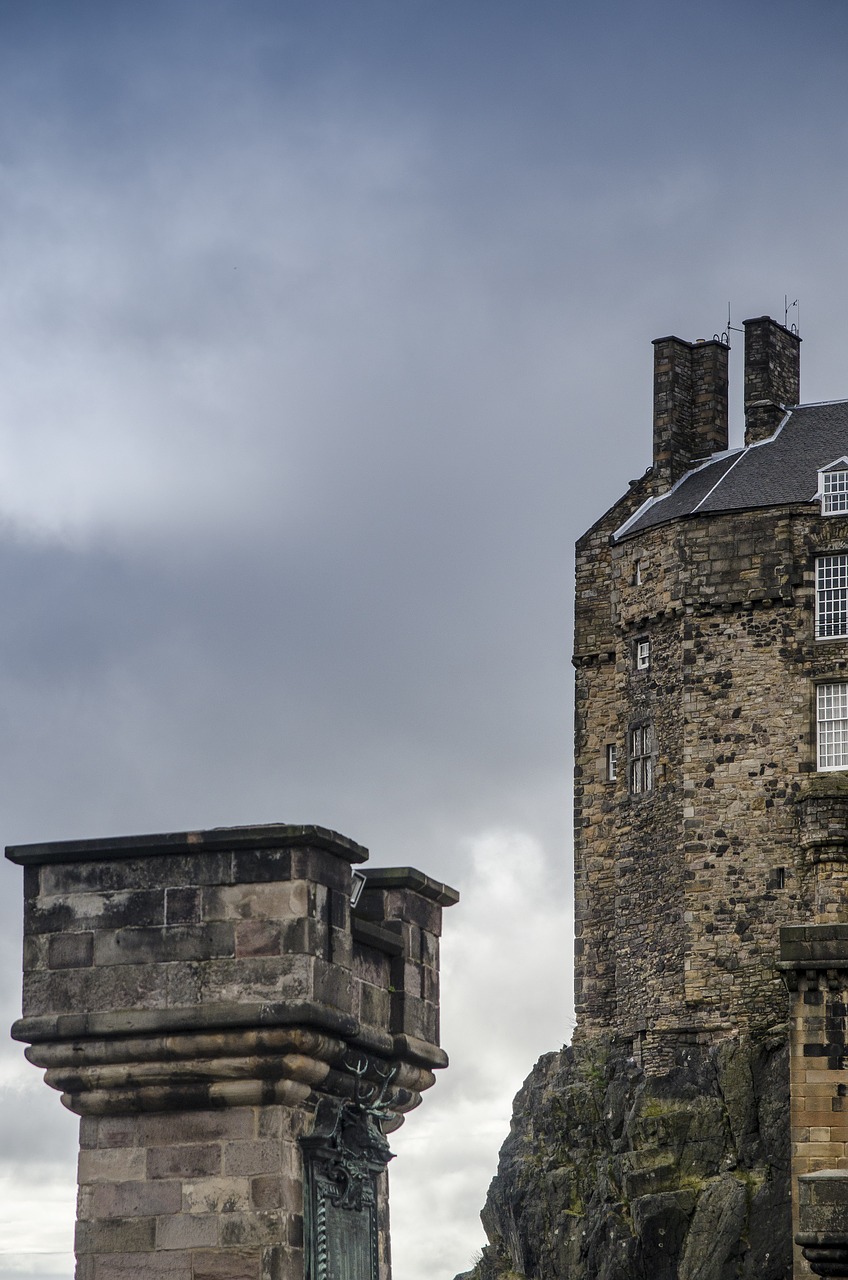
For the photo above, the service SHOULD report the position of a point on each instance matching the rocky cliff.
(609, 1174)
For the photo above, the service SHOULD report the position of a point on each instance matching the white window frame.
(612, 761)
(833, 488)
(641, 762)
(832, 596)
(643, 653)
(832, 725)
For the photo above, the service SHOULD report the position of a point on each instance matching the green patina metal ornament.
(343, 1158)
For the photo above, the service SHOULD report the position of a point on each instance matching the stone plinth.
(823, 1222)
(198, 998)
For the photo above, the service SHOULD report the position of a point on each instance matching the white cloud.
(506, 998)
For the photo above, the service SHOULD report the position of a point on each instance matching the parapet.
(224, 966)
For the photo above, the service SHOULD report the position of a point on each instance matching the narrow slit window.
(832, 724)
(831, 596)
(612, 762)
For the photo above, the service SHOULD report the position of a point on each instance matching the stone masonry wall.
(194, 1196)
(683, 889)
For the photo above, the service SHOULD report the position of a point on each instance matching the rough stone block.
(117, 1164)
(157, 946)
(258, 865)
(244, 1159)
(275, 978)
(182, 905)
(266, 1192)
(251, 1230)
(217, 1195)
(197, 1160)
(280, 1263)
(374, 1005)
(142, 1266)
(255, 901)
(187, 1231)
(333, 986)
(227, 1264)
(257, 938)
(70, 950)
(135, 1199)
(119, 1235)
(320, 866)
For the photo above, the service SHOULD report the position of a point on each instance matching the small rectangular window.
(834, 492)
(780, 878)
(612, 762)
(832, 724)
(643, 655)
(831, 596)
(641, 759)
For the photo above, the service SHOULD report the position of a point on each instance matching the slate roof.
(783, 469)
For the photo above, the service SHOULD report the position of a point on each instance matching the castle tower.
(237, 1031)
(711, 777)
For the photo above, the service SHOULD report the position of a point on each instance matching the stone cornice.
(272, 835)
(247, 1067)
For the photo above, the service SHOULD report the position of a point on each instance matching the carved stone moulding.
(823, 1221)
(110, 1068)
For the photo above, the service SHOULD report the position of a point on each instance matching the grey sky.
(324, 330)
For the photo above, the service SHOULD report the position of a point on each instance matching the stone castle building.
(711, 835)
(711, 641)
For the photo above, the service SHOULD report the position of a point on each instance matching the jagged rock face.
(609, 1174)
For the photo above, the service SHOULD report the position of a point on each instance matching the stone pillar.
(237, 1040)
(814, 961)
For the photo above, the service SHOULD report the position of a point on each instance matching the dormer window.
(833, 488)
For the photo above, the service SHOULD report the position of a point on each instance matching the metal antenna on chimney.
(732, 328)
(787, 307)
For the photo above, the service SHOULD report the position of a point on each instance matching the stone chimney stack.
(238, 1031)
(690, 405)
(772, 376)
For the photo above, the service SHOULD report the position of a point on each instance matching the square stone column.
(814, 961)
(237, 1040)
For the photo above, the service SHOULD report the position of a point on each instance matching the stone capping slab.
(410, 878)
(376, 936)
(813, 946)
(93, 1026)
(272, 835)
